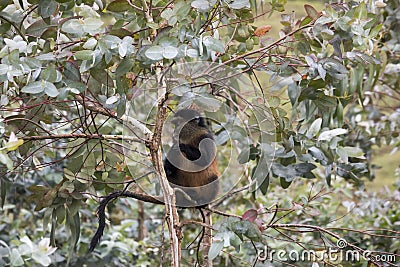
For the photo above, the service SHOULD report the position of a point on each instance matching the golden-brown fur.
(191, 164)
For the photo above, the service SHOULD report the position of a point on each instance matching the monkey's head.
(189, 124)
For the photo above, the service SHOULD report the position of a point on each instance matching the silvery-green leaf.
(33, 88)
(314, 128)
(50, 89)
(155, 53)
(111, 100)
(327, 135)
(170, 52)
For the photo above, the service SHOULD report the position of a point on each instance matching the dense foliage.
(80, 85)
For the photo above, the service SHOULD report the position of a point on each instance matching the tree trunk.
(172, 217)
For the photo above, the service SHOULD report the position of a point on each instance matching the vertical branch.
(172, 217)
(148, 13)
(207, 240)
(141, 226)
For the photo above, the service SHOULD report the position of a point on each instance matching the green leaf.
(287, 172)
(318, 154)
(327, 135)
(73, 224)
(124, 66)
(215, 249)
(92, 25)
(285, 184)
(102, 77)
(3, 69)
(71, 71)
(374, 32)
(239, 4)
(111, 100)
(304, 170)
(203, 5)
(273, 101)
(311, 11)
(212, 104)
(37, 28)
(15, 258)
(278, 5)
(321, 71)
(180, 90)
(73, 26)
(246, 228)
(325, 101)
(46, 8)
(244, 156)
(314, 128)
(222, 138)
(305, 21)
(193, 53)
(34, 88)
(213, 44)
(119, 6)
(170, 52)
(293, 92)
(50, 89)
(5, 3)
(6, 160)
(342, 153)
(90, 43)
(60, 213)
(84, 54)
(74, 206)
(361, 11)
(155, 53)
(333, 66)
(13, 142)
(49, 74)
(354, 152)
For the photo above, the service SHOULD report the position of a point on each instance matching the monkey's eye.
(197, 120)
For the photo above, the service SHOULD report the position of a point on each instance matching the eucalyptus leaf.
(311, 11)
(203, 5)
(239, 4)
(213, 44)
(34, 87)
(50, 89)
(170, 52)
(155, 53)
(314, 128)
(124, 66)
(73, 26)
(327, 135)
(47, 7)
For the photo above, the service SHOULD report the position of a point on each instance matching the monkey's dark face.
(188, 124)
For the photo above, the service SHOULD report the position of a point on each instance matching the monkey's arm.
(192, 153)
(204, 155)
(169, 168)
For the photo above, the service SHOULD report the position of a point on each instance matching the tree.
(87, 88)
